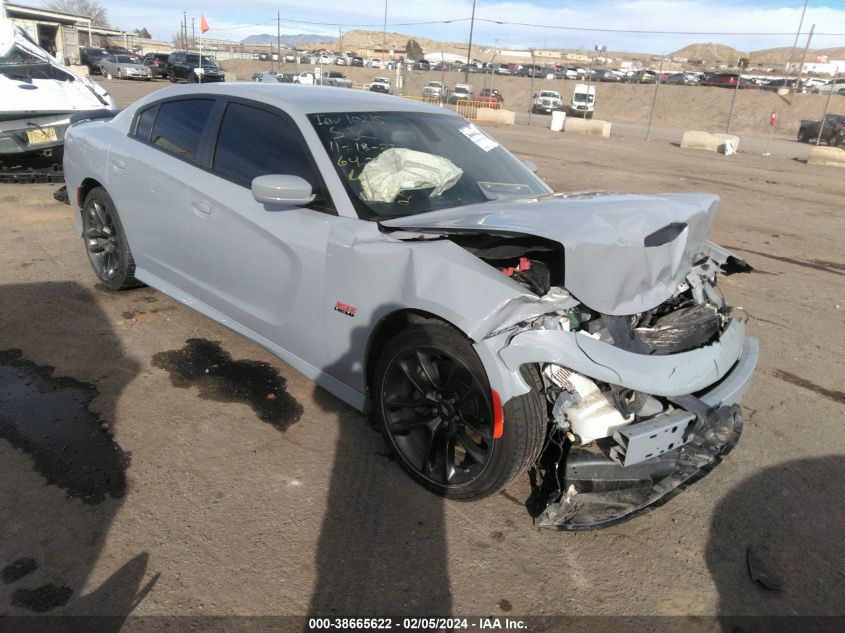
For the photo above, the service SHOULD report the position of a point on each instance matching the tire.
(105, 242)
(119, 73)
(434, 406)
(171, 77)
(802, 136)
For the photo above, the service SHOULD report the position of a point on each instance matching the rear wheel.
(171, 77)
(802, 136)
(436, 411)
(105, 242)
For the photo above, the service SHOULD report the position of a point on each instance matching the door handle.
(118, 163)
(203, 207)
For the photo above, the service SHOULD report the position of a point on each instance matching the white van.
(583, 101)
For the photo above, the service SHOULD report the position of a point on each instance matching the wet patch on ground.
(209, 367)
(43, 598)
(49, 419)
(17, 570)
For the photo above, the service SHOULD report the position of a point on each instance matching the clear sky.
(528, 23)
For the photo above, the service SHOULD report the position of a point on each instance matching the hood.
(624, 254)
(34, 82)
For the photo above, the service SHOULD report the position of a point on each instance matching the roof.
(294, 98)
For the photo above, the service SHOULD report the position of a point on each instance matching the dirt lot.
(170, 496)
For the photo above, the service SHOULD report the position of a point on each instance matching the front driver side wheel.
(105, 242)
(436, 410)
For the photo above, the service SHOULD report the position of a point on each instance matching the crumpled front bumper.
(716, 431)
(708, 383)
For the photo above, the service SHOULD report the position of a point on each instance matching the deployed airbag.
(399, 169)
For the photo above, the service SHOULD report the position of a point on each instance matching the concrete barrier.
(832, 156)
(587, 126)
(695, 139)
(494, 115)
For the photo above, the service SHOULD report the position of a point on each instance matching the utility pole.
(340, 40)
(827, 105)
(279, 36)
(797, 35)
(804, 58)
(654, 100)
(531, 107)
(384, 37)
(193, 35)
(184, 30)
(469, 49)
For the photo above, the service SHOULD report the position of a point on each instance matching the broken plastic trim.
(577, 511)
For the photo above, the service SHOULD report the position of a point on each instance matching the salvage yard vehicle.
(583, 102)
(434, 90)
(405, 261)
(124, 67)
(461, 92)
(832, 132)
(546, 102)
(38, 97)
(185, 66)
(380, 84)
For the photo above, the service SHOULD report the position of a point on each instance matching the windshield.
(404, 163)
(580, 96)
(127, 59)
(546, 94)
(194, 59)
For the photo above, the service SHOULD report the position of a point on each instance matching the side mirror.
(282, 189)
(531, 165)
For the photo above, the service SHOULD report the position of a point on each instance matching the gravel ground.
(203, 502)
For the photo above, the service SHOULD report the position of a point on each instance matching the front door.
(261, 265)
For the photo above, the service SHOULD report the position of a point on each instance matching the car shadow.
(63, 476)
(775, 548)
(382, 549)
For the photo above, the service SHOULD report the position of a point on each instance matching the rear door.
(261, 265)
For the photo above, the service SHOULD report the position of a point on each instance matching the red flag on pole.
(203, 24)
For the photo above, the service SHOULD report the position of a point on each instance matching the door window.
(254, 142)
(179, 126)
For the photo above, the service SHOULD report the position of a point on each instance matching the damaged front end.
(639, 405)
(643, 361)
(41, 96)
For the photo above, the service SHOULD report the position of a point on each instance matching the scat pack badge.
(345, 308)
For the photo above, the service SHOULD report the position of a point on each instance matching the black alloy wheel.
(105, 242)
(436, 410)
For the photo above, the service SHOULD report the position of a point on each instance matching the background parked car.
(777, 84)
(546, 102)
(491, 96)
(683, 79)
(183, 66)
(836, 86)
(124, 67)
(91, 56)
(422, 64)
(832, 132)
(380, 84)
(157, 63)
(727, 80)
(461, 92)
(434, 89)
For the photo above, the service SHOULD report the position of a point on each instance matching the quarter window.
(179, 126)
(254, 142)
(145, 123)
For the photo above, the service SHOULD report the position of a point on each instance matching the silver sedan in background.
(124, 67)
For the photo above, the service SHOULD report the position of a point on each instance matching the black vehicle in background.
(422, 64)
(184, 66)
(157, 63)
(832, 132)
(91, 56)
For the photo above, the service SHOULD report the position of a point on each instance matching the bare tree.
(143, 32)
(88, 8)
